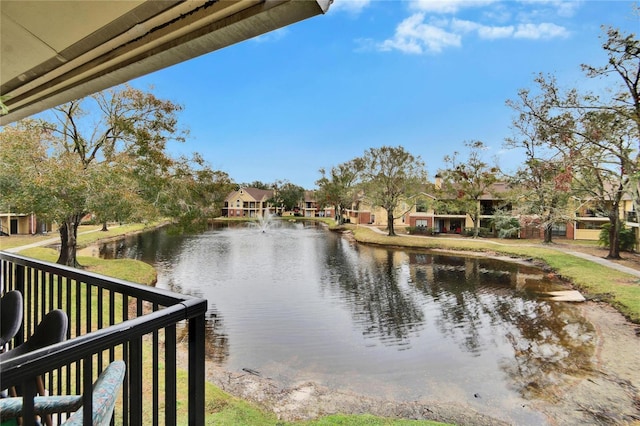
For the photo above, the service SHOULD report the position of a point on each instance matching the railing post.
(87, 390)
(135, 381)
(170, 417)
(19, 285)
(196, 370)
(29, 392)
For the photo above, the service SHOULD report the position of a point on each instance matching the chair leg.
(46, 419)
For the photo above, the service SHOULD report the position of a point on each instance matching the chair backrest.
(51, 330)
(105, 394)
(10, 316)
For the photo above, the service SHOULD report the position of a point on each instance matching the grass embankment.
(597, 281)
(221, 408)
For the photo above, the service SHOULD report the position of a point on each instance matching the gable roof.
(259, 194)
(254, 193)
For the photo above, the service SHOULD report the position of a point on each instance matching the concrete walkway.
(47, 242)
(596, 259)
(600, 260)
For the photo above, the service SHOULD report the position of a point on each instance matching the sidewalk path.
(600, 260)
(595, 259)
(47, 242)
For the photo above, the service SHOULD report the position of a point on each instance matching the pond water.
(297, 302)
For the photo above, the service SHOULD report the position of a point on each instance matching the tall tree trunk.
(548, 233)
(476, 220)
(104, 226)
(548, 229)
(392, 232)
(68, 241)
(614, 235)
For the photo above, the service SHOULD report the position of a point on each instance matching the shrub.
(419, 230)
(506, 225)
(482, 232)
(626, 240)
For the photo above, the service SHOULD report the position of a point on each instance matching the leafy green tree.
(622, 73)
(339, 187)
(193, 193)
(595, 137)
(105, 154)
(505, 224)
(389, 176)
(255, 184)
(606, 147)
(464, 182)
(597, 142)
(287, 195)
(623, 54)
(38, 177)
(627, 241)
(542, 184)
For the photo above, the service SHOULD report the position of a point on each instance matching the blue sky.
(426, 75)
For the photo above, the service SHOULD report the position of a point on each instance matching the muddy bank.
(608, 394)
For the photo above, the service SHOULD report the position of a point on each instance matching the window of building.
(589, 225)
(559, 230)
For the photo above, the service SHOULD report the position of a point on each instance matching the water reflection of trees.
(549, 341)
(480, 300)
(151, 247)
(372, 290)
(217, 341)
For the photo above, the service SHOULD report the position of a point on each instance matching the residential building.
(22, 224)
(312, 208)
(249, 202)
(589, 220)
(423, 211)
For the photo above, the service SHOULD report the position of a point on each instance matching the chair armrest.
(42, 405)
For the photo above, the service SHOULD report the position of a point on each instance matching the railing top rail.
(160, 296)
(15, 370)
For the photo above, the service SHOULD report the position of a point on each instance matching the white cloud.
(483, 31)
(463, 26)
(447, 6)
(540, 31)
(415, 37)
(350, 6)
(491, 33)
(564, 8)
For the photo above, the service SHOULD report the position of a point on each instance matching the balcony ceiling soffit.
(54, 51)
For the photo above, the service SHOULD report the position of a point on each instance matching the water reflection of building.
(482, 271)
